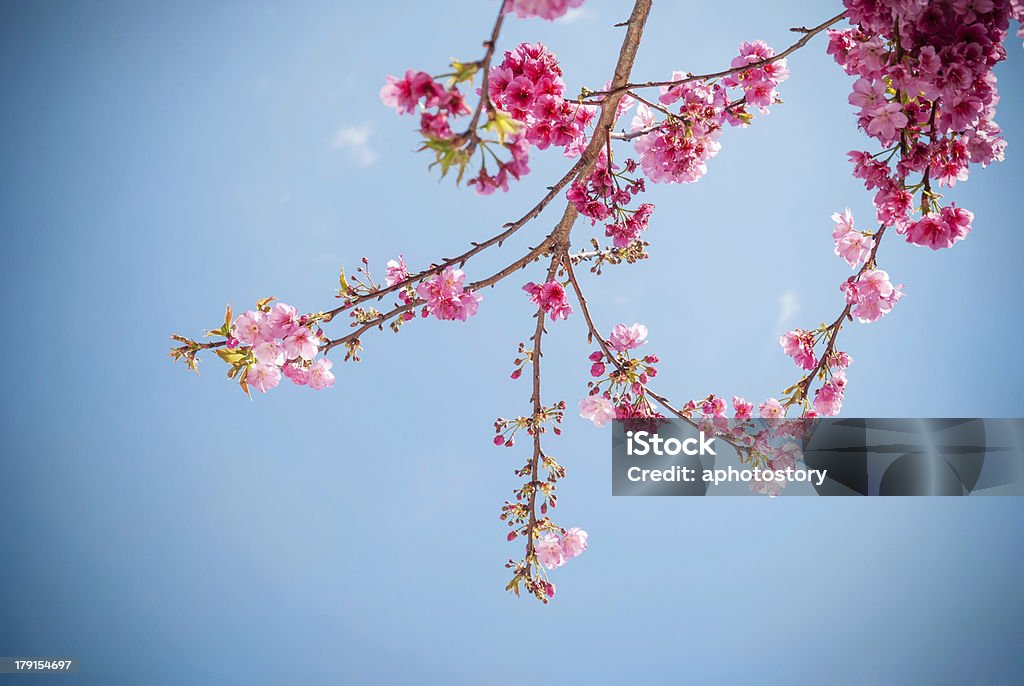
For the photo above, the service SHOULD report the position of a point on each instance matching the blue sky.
(159, 160)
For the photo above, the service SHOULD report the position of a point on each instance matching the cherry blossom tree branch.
(595, 334)
(804, 385)
(808, 34)
(484, 65)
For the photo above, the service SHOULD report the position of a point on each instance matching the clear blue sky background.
(161, 159)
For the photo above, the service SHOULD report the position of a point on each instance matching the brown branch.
(507, 271)
(460, 260)
(558, 240)
(804, 385)
(613, 359)
(808, 34)
(485, 67)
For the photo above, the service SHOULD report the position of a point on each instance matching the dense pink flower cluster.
(677, 150)
(759, 83)
(545, 9)
(280, 342)
(555, 550)
(872, 295)
(439, 103)
(528, 86)
(926, 90)
(550, 297)
(446, 297)
(605, 193)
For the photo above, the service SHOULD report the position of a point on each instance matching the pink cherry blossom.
(625, 338)
(786, 456)
(281, 321)
(574, 542)
(446, 297)
(320, 375)
(248, 327)
(549, 551)
(741, 407)
(269, 353)
(872, 296)
(597, 409)
(854, 247)
(843, 221)
(404, 94)
(551, 298)
(396, 271)
(295, 373)
(799, 345)
(545, 9)
(263, 377)
(771, 409)
(301, 343)
(885, 120)
(828, 400)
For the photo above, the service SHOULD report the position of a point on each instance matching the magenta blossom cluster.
(528, 86)
(677, 150)
(925, 90)
(941, 229)
(545, 9)
(446, 297)
(515, 168)
(280, 342)
(439, 104)
(555, 550)
(759, 83)
(550, 297)
(604, 195)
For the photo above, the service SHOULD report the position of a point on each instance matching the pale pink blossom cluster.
(446, 297)
(799, 345)
(597, 409)
(555, 550)
(872, 295)
(545, 9)
(395, 271)
(624, 395)
(280, 342)
(828, 400)
(852, 245)
(677, 150)
(550, 297)
(624, 337)
(528, 86)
